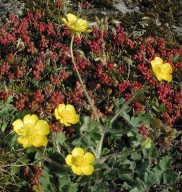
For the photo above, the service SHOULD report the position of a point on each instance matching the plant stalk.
(61, 167)
(81, 82)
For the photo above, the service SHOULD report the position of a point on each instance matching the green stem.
(100, 144)
(125, 105)
(119, 154)
(81, 82)
(102, 131)
(61, 167)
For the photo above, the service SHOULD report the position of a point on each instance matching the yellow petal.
(78, 151)
(30, 120)
(71, 118)
(42, 128)
(77, 170)
(65, 123)
(56, 114)
(81, 25)
(25, 141)
(167, 77)
(39, 140)
(75, 119)
(71, 18)
(166, 68)
(87, 169)
(89, 158)
(61, 108)
(158, 60)
(70, 108)
(65, 21)
(154, 65)
(17, 126)
(69, 160)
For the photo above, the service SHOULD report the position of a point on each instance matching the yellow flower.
(161, 70)
(32, 131)
(75, 24)
(80, 162)
(147, 143)
(66, 114)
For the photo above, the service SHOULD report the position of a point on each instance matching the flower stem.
(81, 82)
(125, 105)
(114, 155)
(102, 130)
(99, 145)
(61, 167)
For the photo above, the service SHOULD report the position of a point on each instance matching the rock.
(10, 6)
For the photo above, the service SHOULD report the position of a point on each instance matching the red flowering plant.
(89, 100)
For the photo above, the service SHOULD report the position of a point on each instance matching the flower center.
(79, 161)
(67, 115)
(28, 131)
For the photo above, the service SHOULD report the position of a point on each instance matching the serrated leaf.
(76, 142)
(88, 124)
(145, 118)
(126, 116)
(135, 121)
(118, 104)
(45, 178)
(136, 156)
(60, 137)
(162, 108)
(170, 177)
(165, 163)
(135, 189)
(64, 182)
(73, 188)
(150, 178)
(100, 187)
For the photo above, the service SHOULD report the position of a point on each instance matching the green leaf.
(135, 189)
(135, 121)
(140, 93)
(170, 177)
(100, 187)
(139, 184)
(45, 178)
(64, 182)
(118, 104)
(162, 108)
(136, 156)
(175, 58)
(77, 142)
(25, 160)
(150, 178)
(119, 129)
(73, 188)
(165, 163)
(88, 124)
(126, 177)
(145, 118)
(5, 179)
(3, 127)
(60, 137)
(14, 170)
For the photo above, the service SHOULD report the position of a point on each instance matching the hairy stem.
(125, 105)
(81, 82)
(102, 131)
(61, 167)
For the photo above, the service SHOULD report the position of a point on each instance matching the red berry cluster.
(4, 95)
(143, 130)
(38, 69)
